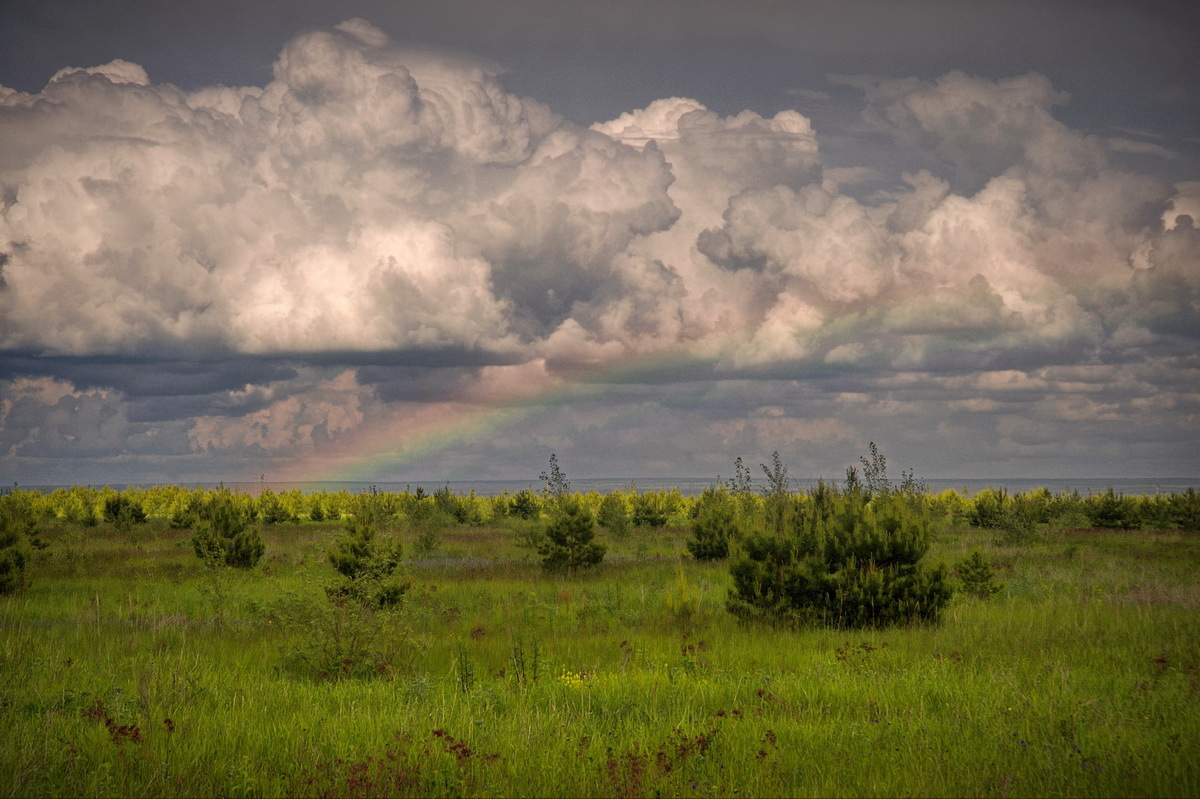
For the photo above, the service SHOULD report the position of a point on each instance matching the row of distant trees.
(621, 511)
(844, 555)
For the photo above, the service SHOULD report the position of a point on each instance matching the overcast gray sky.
(424, 241)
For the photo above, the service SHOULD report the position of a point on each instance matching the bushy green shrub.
(976, 576)
(316, 508)
(186, 513)
(715, 526)
(367, 563)
(1185, 509)
(123, 511)
(358, 553)
(989, 509)
(525, 505)
(77, 509)
(614, 514)
(449, 504)
(16, 531)
(271, 508)
(651, 509)
(224, 536)
(843, 562)
(342, 637)
(569, 543)
(1113, 510)
(1016, 519)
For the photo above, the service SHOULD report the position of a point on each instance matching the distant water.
(693, 486)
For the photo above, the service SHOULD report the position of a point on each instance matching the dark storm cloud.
(140, 377)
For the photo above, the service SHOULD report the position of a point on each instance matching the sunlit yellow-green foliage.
(989, 508)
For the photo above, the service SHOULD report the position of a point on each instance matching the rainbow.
(404, 435)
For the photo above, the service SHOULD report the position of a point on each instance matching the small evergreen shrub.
(1019, 525)
(525, 505)
(271, 508)
(223, 535)
(451, 506)
(976, 576)
(123, 511)
(715, 525)
(569, 543)
(184, 516)
(614, 514)
(989, 509)
(1185, 509)
(77, 510)
(844, 562)
(650, 509)
(1113, 510)
(367, 564)
(16, 532)
(1016, 519)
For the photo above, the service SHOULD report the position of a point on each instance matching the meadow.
(130, 667)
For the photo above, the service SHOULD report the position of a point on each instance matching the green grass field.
(128, 668)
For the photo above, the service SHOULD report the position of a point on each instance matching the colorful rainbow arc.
(381, 446)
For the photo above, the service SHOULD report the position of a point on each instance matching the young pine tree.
(614, 514)
(976, 576)
(715, 525)
(367, 563)
(16, 530)
(569, 543)
(845, 562)
(123, 511)
(224, 535)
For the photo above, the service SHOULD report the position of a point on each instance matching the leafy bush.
(358, 554)
(844, 562)
(77, 509)
(568, 545)
(186, 514)
(1015, 518)
(224, 535)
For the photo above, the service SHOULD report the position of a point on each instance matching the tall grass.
(129, 669)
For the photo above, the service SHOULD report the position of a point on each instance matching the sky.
(392, 241)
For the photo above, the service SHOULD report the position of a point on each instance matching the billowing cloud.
(308, 215)
(257, 273)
